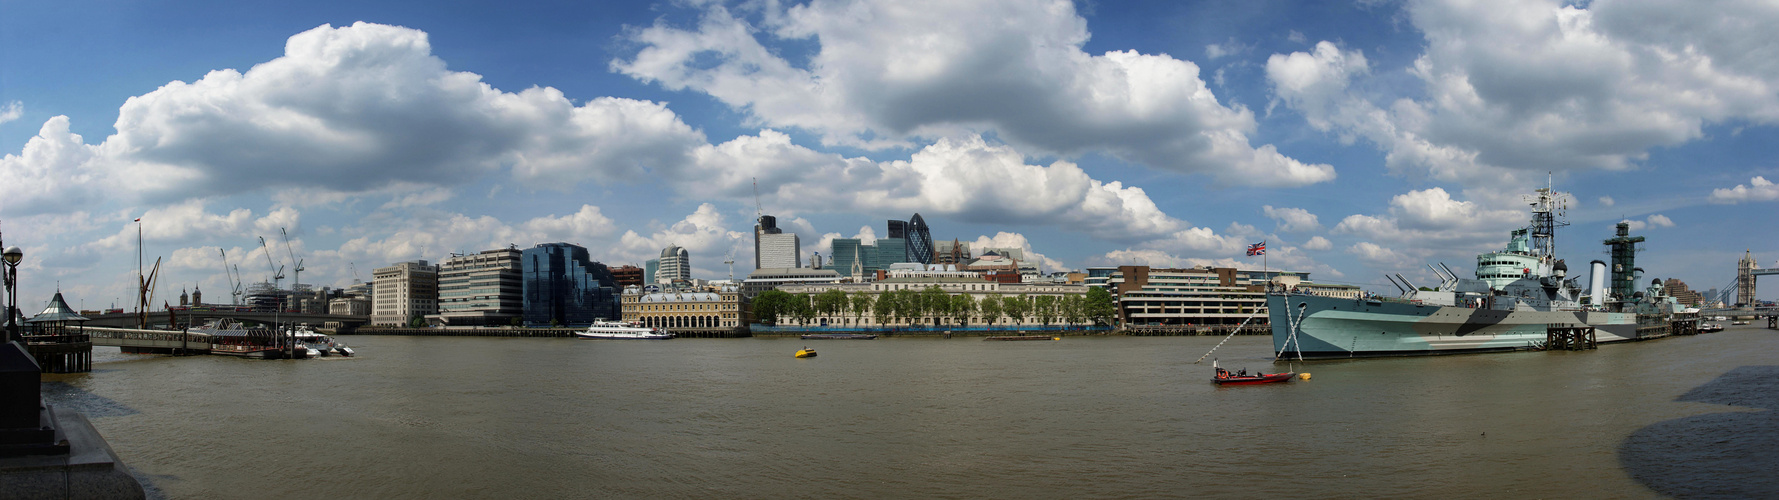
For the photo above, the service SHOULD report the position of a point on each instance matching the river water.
(1085, 417)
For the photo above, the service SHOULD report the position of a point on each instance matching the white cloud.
(51, 174)
(1379, 257)
(357, 109)
(1292, 219)
(179, 223)
(1757, 189)
(1429, 223)
(1005, 239)
(1317, 243)
(1607, 201)
(1225, 49)
(1296, 36)
(887, 72)
(12, 111)
(703, 234)
(1653, 221)
(1511, 89)
(964, 178)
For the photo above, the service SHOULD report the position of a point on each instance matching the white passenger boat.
(622, 330)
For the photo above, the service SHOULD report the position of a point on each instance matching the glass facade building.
(564, 287)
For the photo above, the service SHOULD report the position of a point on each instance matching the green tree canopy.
(769, 305)
(991, 307)
(1100, 307)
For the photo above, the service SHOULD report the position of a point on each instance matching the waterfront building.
(1192, 297)
(710, 312)
(1099, 276)
(766, 279)
(628, 276)
(481, 289)
(953, 283)
(676, 265)
(404, 291)
(563, 286)
(349, 306)
(778, 250)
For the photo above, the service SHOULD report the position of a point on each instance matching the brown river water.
(1084, 417)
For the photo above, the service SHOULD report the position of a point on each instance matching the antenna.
(296, 279)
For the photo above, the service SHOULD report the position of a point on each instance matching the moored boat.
(1520, 299)
(622, 331)
(839, 336)
(1224, 377)
(1022, 337)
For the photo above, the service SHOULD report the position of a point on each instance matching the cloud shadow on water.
(1717, 455)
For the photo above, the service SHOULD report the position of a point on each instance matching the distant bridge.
(188, 318)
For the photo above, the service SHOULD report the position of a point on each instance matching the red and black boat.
(1225, 377)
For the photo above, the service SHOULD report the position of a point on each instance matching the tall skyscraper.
(920, 241)
(781, 250)
(564, 287)
(766, 225)
(897, 229)
(648, 271)
(676, 264)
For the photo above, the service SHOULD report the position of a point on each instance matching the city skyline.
(1356, 139)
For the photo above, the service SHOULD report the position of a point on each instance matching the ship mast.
(1547, 206)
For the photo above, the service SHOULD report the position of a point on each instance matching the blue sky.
(1356, 138)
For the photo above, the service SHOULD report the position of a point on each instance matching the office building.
(481, 289)
(403, 292)
(766, 279)
(649, 269)
(675, 266)
(779, 250)
(564, 287)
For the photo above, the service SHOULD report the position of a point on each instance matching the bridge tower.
(1745, 279)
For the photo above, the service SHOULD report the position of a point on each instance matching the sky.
(1355, 138)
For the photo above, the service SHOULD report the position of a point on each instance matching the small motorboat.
(1225, 377)
(806, 353)
(344, 351)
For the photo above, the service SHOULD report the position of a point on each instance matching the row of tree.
(933, 306)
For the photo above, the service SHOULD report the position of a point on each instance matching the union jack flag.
(1257, 249)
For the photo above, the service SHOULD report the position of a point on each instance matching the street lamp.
(11, 257)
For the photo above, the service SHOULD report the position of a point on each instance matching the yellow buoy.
(1305, 375)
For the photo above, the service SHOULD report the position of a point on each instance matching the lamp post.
(11, 257)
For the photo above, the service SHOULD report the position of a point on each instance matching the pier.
(1561, 337)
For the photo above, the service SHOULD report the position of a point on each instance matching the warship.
(1521, 298)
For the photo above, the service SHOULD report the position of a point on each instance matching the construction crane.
(757, 210)
(233, 279)
(354, 266)
(296, 277)
(731, 262)
(278, 272)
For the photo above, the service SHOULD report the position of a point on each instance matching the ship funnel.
(1597, 282)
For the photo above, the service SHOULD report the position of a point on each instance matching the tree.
(1017, 308)
(1074, 309)
(1099, 307)
(417, 321)
(1044, 309)
(962, 308)
(861, 303)
(934, 302)
(830, 303)
(799, 306)
(991, 308)
(884, 308)
(769, 305)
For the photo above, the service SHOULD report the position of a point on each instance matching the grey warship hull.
(1329, 327)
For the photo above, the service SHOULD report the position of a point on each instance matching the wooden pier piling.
(1569, 338)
